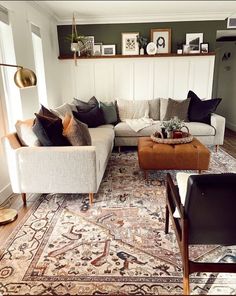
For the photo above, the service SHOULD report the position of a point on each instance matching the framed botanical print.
(130, 44)
(162, 39)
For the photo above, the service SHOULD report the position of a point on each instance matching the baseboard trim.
(231, 126)
(5, 193)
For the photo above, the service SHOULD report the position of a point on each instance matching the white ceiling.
(95, 12)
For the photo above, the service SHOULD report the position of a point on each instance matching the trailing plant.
(142, 41)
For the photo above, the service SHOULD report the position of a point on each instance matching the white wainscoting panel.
(124, 79)
(137, 78)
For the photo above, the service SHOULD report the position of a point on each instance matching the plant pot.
(74, 46)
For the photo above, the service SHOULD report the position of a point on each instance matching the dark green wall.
(111, 33)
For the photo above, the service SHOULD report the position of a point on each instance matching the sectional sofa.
(79, 169)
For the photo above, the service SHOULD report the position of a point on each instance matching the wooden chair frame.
(180, 226)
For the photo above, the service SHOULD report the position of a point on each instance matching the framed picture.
(162, 39)
(194, 40)
(204, 47)
(97, 49)
(86, 46)
(130, 44)
(108, 49)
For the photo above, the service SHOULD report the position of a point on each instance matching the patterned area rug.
(116, 247)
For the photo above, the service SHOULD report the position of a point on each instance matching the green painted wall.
(111, 33)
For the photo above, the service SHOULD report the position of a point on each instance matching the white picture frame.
(130, 44)
(162, 39)
(194, 40)
(97, 49)
(86, 45)
(108, 50)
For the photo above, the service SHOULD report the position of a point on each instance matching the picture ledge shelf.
(70, 57)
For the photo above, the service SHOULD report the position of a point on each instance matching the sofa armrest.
(70, 169)
(218, 122)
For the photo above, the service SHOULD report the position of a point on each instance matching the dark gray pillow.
(86, 106)
(177, 108)
(92, 118)
(109, 112)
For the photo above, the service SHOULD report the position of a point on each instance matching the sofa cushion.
(200, 129)
(178, 108)
(200, 110)
(154, 109)
(129, 109)
(123, 130)
(85, 106)
(25, 133)
(109, 112)
(63, 109)
(75, 131)
(93, 118)
(163, 107)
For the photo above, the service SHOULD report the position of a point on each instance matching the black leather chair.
(207, 217)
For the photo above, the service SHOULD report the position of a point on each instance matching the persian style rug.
(116, 247)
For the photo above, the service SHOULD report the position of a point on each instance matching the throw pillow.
(154, 109)
(200, 110)
(109, 112)
(128, 109)
(76, 132)
(163, 107)
(85, 106)
(92, 118)
(177, 108)
(45, 112)
(63, 109)
(25, 133)
(49, 131)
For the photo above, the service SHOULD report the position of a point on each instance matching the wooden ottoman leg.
(145, 174)
(23, 195)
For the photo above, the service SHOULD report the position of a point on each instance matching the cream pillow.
(129, 109)
(63, 109)
(25, 133)
(76, 132)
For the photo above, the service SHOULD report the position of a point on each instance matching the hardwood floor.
(15, 200)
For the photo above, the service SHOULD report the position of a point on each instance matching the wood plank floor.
(15, 200)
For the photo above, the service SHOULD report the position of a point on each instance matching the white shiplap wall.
(137, 78)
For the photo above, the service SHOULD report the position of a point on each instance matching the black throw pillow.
(92, 118)
(48, 129)
(200, 110)
(86, 106)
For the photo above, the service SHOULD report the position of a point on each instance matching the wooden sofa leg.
(91, 195)
(23, 195)
(217, 148)
(167, 221)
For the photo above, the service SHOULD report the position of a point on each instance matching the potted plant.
(172, 125)
(142, 41)
(74, 40)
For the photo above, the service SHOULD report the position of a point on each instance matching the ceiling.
(98, 12)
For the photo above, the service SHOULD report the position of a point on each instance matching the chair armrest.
(173, 197)
(70, 169)
(218, 122)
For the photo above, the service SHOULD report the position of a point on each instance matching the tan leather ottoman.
(155, 156)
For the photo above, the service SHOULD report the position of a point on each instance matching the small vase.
(170, 134)
(141, 52)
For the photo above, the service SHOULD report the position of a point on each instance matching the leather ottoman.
(155, 156)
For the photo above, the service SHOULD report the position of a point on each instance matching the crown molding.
(40, 6)
(144, 19)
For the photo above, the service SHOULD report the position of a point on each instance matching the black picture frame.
(204, 47)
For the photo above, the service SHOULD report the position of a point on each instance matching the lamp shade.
(25, 78)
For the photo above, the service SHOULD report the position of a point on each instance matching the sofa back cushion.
(154, 109)
(25, 133)
(129, 109)
(63, 109)
(163, 107)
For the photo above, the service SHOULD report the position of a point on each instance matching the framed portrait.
(97, 49)
(130, 44)
(194, 40)
(162, 39)
(108, 50)
(204, 47)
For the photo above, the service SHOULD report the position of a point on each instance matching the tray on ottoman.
(187, 138)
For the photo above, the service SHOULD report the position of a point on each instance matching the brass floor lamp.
(23, 78)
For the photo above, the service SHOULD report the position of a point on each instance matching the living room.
(92, 220)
